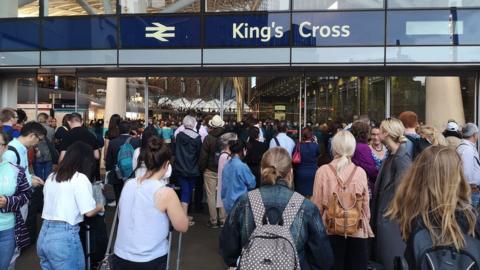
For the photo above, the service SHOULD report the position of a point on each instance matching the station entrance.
(299, 100)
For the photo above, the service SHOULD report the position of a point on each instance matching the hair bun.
(154, 144)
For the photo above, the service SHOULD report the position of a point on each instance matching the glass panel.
(135, 98)
(24, 96)
(171, 98)
(433, 27)
(56, 96)
(159, 6)
(275, 99)
(344, 99)
(82, 7)
(19, 8)
(247, 5)
(432, 3)
(435, 99)
(91, 98)
(336, 4)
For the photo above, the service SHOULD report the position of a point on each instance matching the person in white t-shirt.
(68, 196)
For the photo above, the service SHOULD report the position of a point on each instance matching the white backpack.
(271, 246)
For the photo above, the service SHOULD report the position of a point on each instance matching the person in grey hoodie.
(188, 144)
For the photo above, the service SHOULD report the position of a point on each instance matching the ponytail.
(269, 175)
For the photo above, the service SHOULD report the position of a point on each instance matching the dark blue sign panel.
(156, 32)
(434, 27)
(338, 28)
(79, 33)
(262, 30)
(19, 35)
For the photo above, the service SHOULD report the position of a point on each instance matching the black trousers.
(35, 207)
(350, 253)
(157, 264)
(198, 195)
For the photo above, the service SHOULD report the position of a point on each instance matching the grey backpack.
(271, 246)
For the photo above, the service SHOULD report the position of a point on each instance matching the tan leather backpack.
(344, 209)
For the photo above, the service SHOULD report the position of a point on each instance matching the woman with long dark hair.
(146, 209)
(138, 163)
(112, 132)
(68, 197)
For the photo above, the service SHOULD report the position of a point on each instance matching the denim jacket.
(308, 232)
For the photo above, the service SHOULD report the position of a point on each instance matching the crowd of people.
(327, 196)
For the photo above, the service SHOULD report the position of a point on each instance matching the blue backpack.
(124, 167)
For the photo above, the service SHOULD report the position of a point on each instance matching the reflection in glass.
(91, 97)
(135, 95)
(16, 8)
(170, 98)
(435, 99)
(345, 99)
(56, 96)
(83, 7)
(276, 98)
(432, 3)
(247, 5)
(24, 95)
(336, 4)
(159, 6)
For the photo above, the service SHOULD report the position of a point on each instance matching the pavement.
(199, 249)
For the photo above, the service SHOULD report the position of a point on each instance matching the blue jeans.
(475, 199)
(7, 247)
(43, 169)
(186, 185)
(59, 246)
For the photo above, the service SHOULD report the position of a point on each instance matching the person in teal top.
(167, 132)
(15, 191)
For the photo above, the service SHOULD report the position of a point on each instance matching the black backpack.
(428, 257)
(419, 144)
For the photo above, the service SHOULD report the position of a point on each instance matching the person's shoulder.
(80, 178)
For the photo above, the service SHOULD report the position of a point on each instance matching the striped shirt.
(23, 192)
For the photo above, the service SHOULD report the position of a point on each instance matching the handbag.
(107, 262)
(297, 157)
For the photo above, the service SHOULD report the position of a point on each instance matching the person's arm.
(317, 197)
(248, 178)
(83, 195)
(203, 159)
(96, 153)
(468, 163)
(109, 163)
(318, 251)
(62, 155)
(166, 200)
(230, 237)
(105, 147)
(21, 196)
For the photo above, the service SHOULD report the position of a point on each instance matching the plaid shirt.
(23, 192)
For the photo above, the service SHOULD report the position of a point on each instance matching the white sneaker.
(112, 204)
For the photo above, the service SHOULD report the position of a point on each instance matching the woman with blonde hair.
(432, 135)
(307, 231)
(342, 176)
(388, 243)
(435, 196)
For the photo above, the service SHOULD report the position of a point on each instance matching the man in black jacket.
(112, 153)
(188, 144)
(209, 166)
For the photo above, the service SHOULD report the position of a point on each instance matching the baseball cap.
(452, 126)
